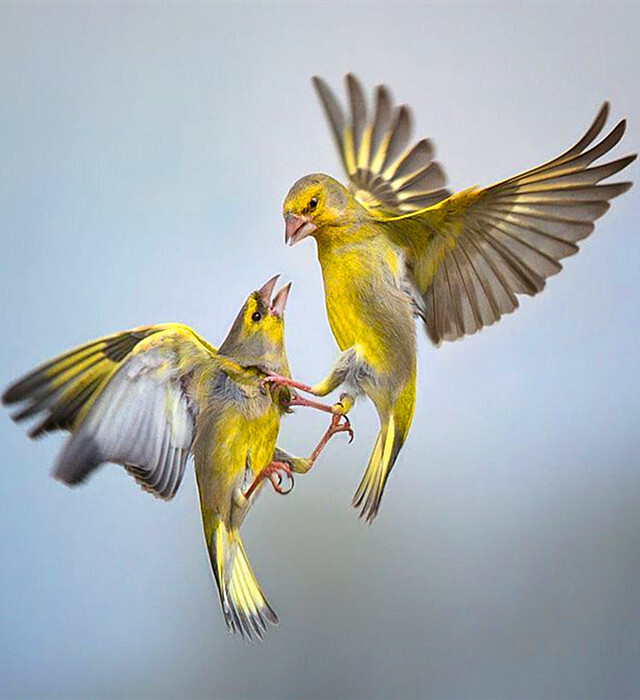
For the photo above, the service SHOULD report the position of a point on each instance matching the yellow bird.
(396, 244)
(148, 398)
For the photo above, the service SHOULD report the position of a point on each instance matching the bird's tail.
(245, 609)
(394, 427)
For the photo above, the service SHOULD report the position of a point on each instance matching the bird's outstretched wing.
(129, 398)
(471, 254)
(385, 174)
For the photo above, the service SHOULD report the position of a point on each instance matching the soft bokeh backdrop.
(145, 151)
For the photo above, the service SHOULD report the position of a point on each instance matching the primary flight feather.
(396, 244)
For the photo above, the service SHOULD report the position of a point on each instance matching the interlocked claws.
(280, 473)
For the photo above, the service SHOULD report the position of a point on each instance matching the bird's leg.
(276, 380)
(332, 381)
(301, 465)
(297, 400)
(273, 471)
(338, 410)
(339, 424)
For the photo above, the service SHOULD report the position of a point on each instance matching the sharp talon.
(283, 491)
(276, 475)
(275, 472)
(274, 482)
(344, 427)
(292, 484)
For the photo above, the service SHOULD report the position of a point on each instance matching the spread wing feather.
(470, 255)
(385, 174)
(128, 398)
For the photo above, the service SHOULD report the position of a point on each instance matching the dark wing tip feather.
(621, 188)
(352, 81)
(373, 147)
(15, 392)
(74, 465)
(600, 120)
(603, 113)
(615, 166)
(383, 92)
(590, 134)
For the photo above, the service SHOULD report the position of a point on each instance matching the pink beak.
(280, 300)
(267, 290)
(277, 306)
(297, 228)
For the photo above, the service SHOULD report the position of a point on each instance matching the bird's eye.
(256, 316)
(313, 203)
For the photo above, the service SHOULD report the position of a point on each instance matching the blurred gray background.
(145, 151)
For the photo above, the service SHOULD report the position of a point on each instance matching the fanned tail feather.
(245, 609)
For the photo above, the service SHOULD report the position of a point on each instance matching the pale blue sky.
(146, 149)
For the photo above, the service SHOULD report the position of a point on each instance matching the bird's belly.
(253, 442)
(241, 445)
(263, 439)
(376, 321)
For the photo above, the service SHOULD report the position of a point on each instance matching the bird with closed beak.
(396, 244)
(150, 397)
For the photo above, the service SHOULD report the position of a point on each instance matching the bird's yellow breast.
(365, 307)
(231, 436)
(245, 437)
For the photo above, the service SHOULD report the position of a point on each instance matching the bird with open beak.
(150, 397)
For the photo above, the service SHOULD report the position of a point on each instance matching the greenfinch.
(149, 397)
(396, 244)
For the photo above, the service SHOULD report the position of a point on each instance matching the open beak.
(297, 228)
(277, 306)
(267, 290)
(280, 300)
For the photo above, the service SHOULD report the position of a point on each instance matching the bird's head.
(313, 205)
(257, 335)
